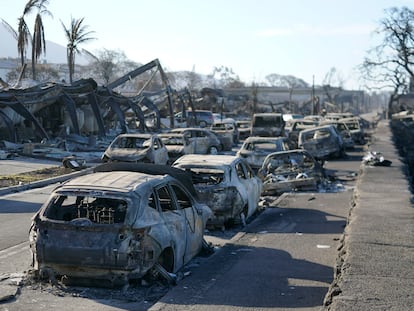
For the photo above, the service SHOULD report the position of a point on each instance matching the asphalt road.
(24, 164)
(283, 259)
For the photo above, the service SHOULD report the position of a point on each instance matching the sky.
(255, 38)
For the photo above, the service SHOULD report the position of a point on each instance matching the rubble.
(375, 158)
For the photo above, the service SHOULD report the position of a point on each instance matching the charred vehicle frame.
(120, 223)
(226, 184)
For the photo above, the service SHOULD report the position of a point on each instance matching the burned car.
(176, 145)
(146, 148)
(267, 124)
(120, 223)
(298, 125)
(256, 148)
(355, 128)
(343, 129)
(322, 142)
(291, 170)
(199, 140)
(227, 125)
(226, 184)
(243, 127)
(227, 132)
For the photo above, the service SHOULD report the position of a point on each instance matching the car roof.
(263, 138)
(206, 159)
(182, 129)
(281, 153)
(170, 134)
(267, 114)
(142, 135)
(121, 181)
(330, 126)
(149, 169)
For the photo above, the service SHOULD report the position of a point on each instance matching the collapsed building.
(83, 111)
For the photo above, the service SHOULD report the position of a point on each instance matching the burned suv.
(122, 222)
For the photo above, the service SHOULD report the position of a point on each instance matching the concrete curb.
(44, 182)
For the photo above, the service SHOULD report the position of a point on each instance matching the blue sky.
(255, 38)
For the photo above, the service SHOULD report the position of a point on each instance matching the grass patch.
(29, 177)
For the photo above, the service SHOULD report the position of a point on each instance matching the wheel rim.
(213, 150)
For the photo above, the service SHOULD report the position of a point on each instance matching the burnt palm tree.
(38, 38)
(23, 37)
(76, 35)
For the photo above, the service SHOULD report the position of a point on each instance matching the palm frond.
(10, 29)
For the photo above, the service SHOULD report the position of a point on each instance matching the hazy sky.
(303, 38)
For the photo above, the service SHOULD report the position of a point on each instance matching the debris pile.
(374, 158)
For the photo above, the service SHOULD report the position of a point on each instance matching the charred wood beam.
(151, 106)
(169, 94)
(132, 74)
(21, 110)
(118, 111)
(138, 112)
(98, 116)
(10, 127)
(71, 108)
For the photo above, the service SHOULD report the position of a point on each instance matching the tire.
(213, 150)
(202, 124)
(243, 216)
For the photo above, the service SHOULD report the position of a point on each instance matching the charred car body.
(290, 171)
(199, 140)
(227, 131)
(243, 127)
(225, 183)
(355, 128)
(342, 129)
(267, 124)
(146, 148)
(322, 142)
(176, 145)
(255, 149)
(118, 224)
(298, 125)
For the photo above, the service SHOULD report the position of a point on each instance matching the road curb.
(44, 182)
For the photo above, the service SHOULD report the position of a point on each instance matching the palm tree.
(10, 29)
(76, 34)
(24, 36)
(38, 40)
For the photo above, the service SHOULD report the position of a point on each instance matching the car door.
(251, 184)
(160, 151)
(193, 219)
(189, 142)
(202, 142)
(174, 219)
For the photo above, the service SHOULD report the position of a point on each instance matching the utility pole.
(313, 94)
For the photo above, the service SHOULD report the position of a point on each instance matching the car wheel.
(202, 124)
(105, 159)
(243, 216)
(161, 271)
(213, 150)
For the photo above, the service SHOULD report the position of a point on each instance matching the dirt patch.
(24, 178)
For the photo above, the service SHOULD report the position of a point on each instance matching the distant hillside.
(55, 53)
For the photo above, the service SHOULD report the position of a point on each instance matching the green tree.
(76, 35)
